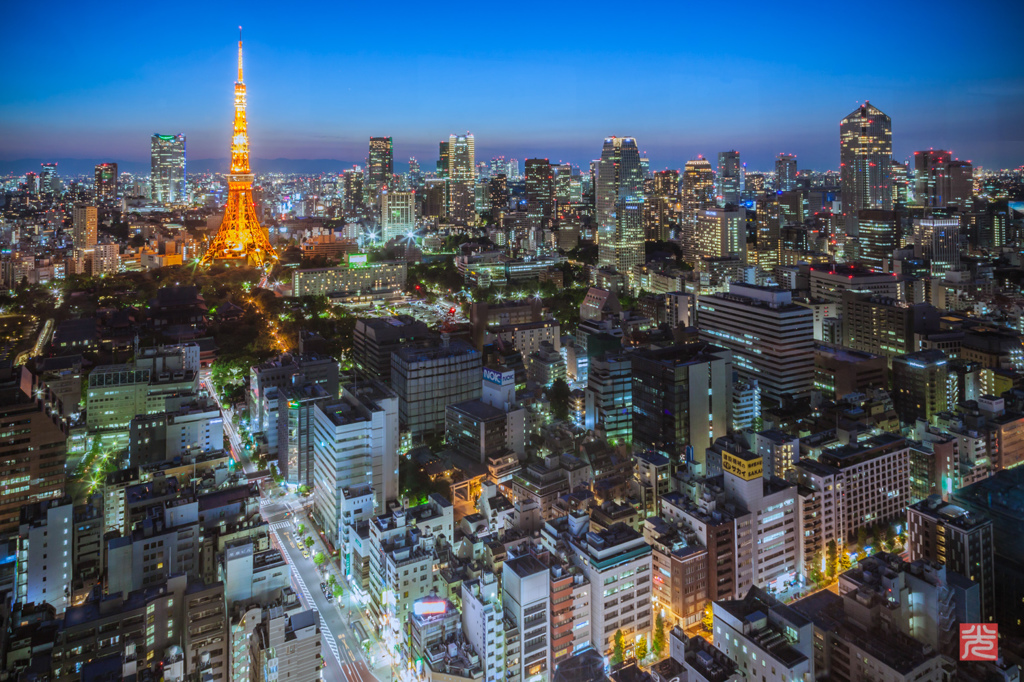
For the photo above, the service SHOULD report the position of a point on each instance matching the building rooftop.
(950, 514)
(526, 565)
(893, 648)
(856, 453)
(477, 409)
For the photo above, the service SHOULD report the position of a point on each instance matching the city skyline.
(528, 97)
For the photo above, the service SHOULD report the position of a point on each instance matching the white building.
(527, 600)
(355, 446)
(397, 213)
(45, 560)
(617, 562)
(483, 624)
(771, 502)
(767, 640)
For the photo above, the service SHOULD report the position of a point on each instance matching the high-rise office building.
(461, 157)
(513, 169)
(619, 201)
(397, 213)
(49, 183)
(940, 180)
(865, 162)
(428, 378)
(32, 453)
(721, 232)
(380, 167)
(609, 397)
(785, 172)
(900, 183)
(539, 193)
(772, 338)
(352, 183)
(84, 226)
(730, 178)
(938, 240)
(698, 193)
(167, 169)
(105, 185)
(461, 172)
(877, 240)
(662, 205)
(681, 397)
(443, 155)
(919, 385)
(355, 453)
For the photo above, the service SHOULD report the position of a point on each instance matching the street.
(346, 660)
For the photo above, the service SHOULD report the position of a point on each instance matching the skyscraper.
(730, 177)
(85, 223)
(785, 172)
(619, 202)
(397, 213)
(352, 181)
(877, 238)
(865, 162)
(539, 193)
(698, 193)
(721, 232)
(461, 157)
(513, 169)
(49, 183)
(105, 185)
(442, 158)
(900, 182)
(167, 168)
(240, 237)
(381, 165)
(938, 240)
(940, 180)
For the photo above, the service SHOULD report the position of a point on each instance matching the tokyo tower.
(240, 235)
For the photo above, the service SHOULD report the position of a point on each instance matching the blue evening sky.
(549, 79)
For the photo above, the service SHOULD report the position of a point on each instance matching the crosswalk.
(325, 632)
(280, 525)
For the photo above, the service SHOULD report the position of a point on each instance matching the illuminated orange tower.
(240, 235)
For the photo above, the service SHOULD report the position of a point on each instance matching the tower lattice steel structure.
(240, 235)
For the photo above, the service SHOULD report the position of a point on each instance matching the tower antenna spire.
(239, 54)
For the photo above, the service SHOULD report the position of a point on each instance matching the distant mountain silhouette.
(74, 167)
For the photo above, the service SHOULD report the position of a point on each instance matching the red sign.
(979, 642)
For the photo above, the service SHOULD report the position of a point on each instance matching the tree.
(619, 652)
(319, 558)
(331, 579)
(303, 489)
(559, 397)
(708, 622)
(814, 572)
(641, 649)
(884, 538)
(301, 529)
(339, 591)
(831, 558)
(844, 562)
(862, 537)
(658, 640)
(309, 542)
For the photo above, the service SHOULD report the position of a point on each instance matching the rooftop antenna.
(239, 54)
